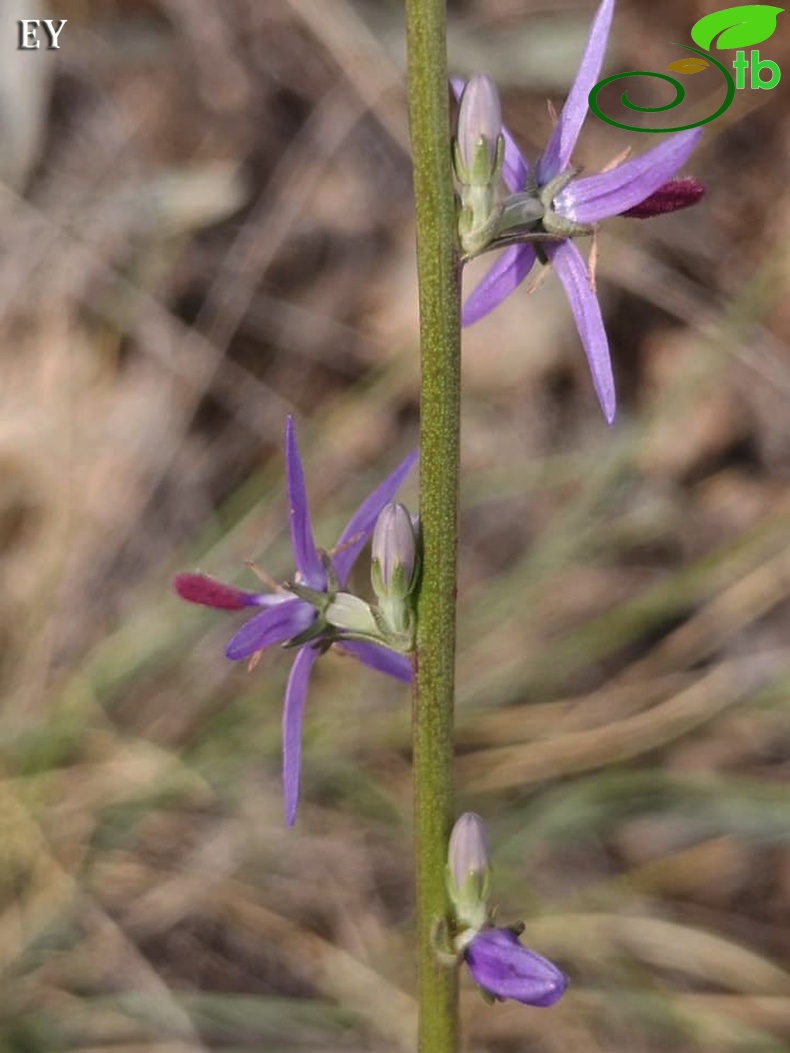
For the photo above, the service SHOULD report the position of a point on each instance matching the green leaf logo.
(688, 65)
(736, 27)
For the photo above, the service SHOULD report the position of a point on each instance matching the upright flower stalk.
(534, 213)
(438, 266)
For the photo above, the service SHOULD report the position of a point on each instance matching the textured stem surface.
(440, 337)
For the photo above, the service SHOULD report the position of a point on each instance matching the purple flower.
(287, 619)
(572, 207)
(504, 969)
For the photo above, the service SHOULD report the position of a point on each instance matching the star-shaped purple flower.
(287, 619)
(580, 203)
(503, 968)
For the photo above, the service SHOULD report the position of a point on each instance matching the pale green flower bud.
(478, 159)
(479, 130)
(394, 571)
(468, 871)
(394, 552)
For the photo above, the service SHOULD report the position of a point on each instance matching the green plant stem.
(438, 266)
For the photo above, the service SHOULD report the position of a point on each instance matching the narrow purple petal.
(502, 967)
(515, 168)
(274, 625)
(557, 154)
(598, 197)
(379, 658)
(200, 588)
(505, 275)
(360, 526)
(293, 711)
(308, 562)
(572, 272)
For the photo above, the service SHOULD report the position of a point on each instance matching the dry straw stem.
(114, 952)
(765, 1012)
(368, 67)
(734, 608)
(701, 583)
(159, 899)
(120, 772)
(334, 972)
(145, 1047)
(546, 719)
(721, 1022)
(52, 895)
(564, 1028)
(196, 354)
(728, 684)
(660, 944)
(689, 872)
(645, 681)
(38, 890)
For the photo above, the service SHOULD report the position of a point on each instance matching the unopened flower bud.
(394, 553)
(478, 156)
(468, 871)
(467, 854)
(479, 130)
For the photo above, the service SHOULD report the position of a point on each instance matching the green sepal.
(521, 212)
(400, 586)
(349, 613)
(480, 209)
(484, 169)
(530, 217)
(470, 902)
(487, 997)
(319, 600)
(395, 621)
(312, 632)
(442, 943)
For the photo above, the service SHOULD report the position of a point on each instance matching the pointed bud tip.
(201, 589)
(467, 854)
(394, 549)
(479, 120)
(671, 197)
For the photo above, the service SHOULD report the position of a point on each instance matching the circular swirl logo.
(686, 66)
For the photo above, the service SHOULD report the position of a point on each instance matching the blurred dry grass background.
(206, 223)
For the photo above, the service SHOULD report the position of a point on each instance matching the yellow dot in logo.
(688, 65)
